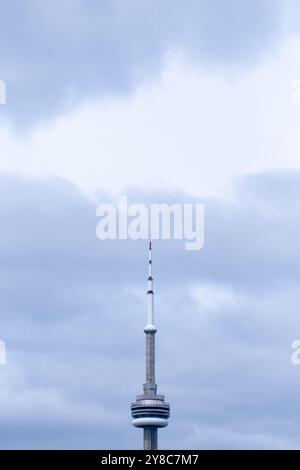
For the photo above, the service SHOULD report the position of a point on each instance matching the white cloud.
(213, 297)
(194, 130)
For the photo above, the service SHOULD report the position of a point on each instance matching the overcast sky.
(180, 101)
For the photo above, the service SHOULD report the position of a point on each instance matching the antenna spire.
(150, 261)
(150, 295)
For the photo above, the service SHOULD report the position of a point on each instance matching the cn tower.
(150, 411)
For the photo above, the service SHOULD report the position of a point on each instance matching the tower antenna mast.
(150, 411)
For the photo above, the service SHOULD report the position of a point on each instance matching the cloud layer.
(54, 55)
(75, 309)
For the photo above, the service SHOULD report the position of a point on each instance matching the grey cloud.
(72, 315)
(55, 54)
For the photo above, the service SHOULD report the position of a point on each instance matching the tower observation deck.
(150, 411)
